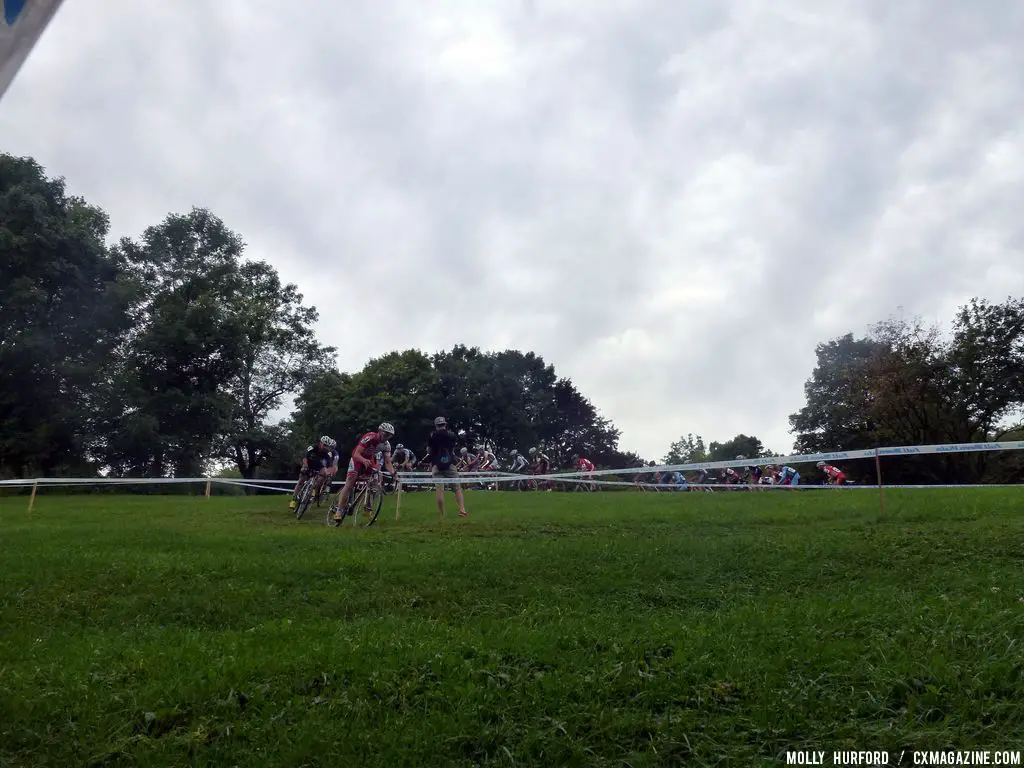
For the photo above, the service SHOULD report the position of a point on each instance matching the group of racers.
(373, 451)
(751, 475)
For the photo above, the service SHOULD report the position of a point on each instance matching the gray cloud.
(672, 203)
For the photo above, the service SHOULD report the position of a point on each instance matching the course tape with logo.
(425, 478)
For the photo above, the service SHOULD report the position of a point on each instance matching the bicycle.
(311, 491)
(366, 493)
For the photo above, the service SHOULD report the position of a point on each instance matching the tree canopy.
(173, 354)
(908, 384)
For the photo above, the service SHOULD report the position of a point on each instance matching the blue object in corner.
(12, 10)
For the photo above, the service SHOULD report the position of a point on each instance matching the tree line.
(168, 354)
(908, 383)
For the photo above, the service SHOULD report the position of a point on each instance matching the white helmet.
(386, 427)
(820, 464)
(464, 451)
(533, 451)
(327, 441)
(399, 447)
(740, 457)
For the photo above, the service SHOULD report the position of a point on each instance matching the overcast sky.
(671, 202)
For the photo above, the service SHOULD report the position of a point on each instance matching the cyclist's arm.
(385, 457)
(332, 468)
(361, 458)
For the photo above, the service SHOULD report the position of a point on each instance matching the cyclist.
(488, 461)
(676, 481)
(466, 462)
(541, 463)
(541, 466)
(754, 471)
(732, 477)
(403, 457)
(519, 463)
(834, 475)
(364, 461)
(320, 458)
(586, 468)
(788, 476)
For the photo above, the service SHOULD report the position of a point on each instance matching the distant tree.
(687, 450)
(906, 384)
(741, 445)
(509, 400)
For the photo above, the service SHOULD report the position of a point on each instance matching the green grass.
(548, 629)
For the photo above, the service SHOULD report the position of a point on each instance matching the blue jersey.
(787, 473)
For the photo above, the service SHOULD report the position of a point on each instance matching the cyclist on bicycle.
(488, 461)
(320, 458)
(364, 461)
(586, 469)
(403, 457)
(541, 462)
(468, 462)
(519, 463)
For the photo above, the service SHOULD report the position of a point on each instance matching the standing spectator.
(441, 445)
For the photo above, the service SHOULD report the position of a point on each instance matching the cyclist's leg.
(303, 474)
(343, 495)
(373, 481)
(318, 483)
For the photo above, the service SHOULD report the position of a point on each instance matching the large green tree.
(185, 347)
(277, 354)
(908, 384)
(511, 400)
(218, 343)
(62, 321)
(837, 413)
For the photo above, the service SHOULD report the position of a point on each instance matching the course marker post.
(209, 483)
(878, 476)
(32, 498)
(398, 499)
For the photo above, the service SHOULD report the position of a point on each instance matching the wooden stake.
(32, 498)
(398, 501)
(209, 483)
(878, 476)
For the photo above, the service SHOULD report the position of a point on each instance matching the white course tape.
(869, 453)
(425, 478)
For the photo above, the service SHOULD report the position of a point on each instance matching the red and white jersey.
(371, 443)
(832, 472)
(586, 465)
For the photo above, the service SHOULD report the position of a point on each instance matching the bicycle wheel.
(305, 498)
(325, 491)
(329, 516)
(366, 505)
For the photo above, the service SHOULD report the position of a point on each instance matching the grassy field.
(547, 629)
